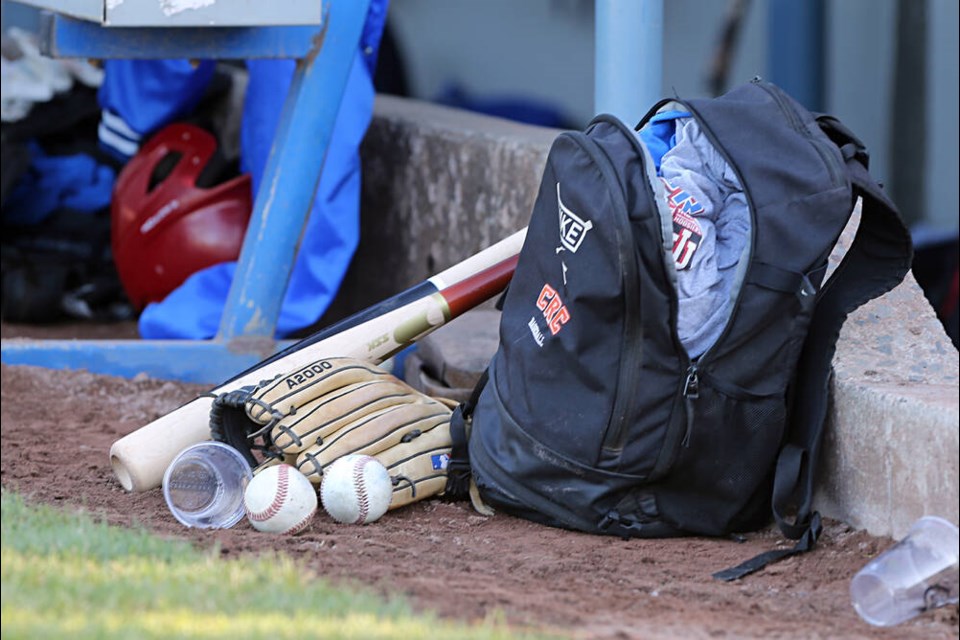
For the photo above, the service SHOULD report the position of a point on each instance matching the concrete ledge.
(892, 450)
(440, 184)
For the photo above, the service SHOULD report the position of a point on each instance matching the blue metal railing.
(324, 54)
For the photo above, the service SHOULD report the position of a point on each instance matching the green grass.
(66, 575)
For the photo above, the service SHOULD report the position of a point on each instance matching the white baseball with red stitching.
(280, 499)
(356, 489)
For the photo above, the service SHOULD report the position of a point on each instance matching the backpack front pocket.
(704, 492)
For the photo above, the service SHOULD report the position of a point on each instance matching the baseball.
(356, 489)
(280, 499)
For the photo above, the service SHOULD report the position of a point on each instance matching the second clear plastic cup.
(917, 574)
(204, 485)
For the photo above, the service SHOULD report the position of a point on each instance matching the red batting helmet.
(165, 225)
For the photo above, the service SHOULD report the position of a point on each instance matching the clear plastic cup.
(204, 485)
(915, 575)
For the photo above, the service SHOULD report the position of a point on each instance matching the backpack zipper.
(680, 427)
(691, 392)
(796, 121)
(631, 360)
(691, 386)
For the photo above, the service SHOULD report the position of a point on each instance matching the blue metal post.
(795, 49)
(628, 61)
(293, 169)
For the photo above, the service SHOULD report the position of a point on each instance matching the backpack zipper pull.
(691, 391)
(691, 388)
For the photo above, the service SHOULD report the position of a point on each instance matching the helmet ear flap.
(178, 207)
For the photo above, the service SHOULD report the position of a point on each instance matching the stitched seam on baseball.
(283, 483)
(363, 499)
(300, 526)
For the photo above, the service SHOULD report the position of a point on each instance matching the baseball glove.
(338, 406)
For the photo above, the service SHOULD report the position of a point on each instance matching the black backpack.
(592, 415)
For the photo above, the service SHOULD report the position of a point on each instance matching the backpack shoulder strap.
(878, 259)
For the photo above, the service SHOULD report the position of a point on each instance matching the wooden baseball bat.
(140, 458)
(493, 254)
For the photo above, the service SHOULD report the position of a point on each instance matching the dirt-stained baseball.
(356, 489)
(280, 499)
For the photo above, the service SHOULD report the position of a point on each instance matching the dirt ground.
(57, 429)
